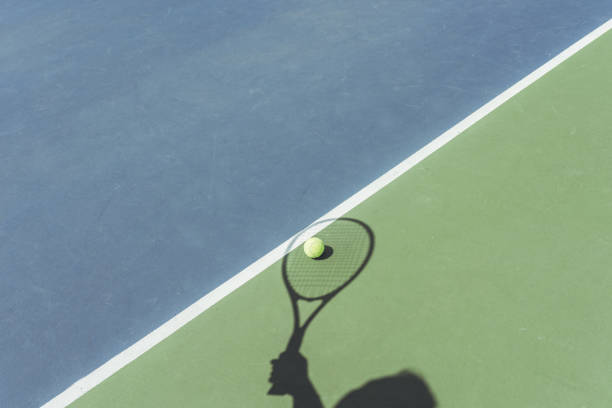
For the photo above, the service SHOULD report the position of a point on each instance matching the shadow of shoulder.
(404, 389)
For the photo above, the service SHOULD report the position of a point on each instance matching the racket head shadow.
(349, 245)
(350, 242)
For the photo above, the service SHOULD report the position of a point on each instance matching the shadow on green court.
(349, 247)
(402, 390)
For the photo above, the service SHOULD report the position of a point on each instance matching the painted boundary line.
(128, 355)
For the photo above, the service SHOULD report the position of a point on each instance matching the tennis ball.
(314, 247)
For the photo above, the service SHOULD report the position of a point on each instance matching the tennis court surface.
(488, 282)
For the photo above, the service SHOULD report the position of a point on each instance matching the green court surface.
(490, 276)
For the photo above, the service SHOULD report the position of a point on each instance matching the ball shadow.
(327, 252)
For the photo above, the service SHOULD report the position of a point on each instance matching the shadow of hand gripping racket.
(350, 245)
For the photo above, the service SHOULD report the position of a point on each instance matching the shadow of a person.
(403, 390)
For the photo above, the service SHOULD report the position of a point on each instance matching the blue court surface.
(151, 150)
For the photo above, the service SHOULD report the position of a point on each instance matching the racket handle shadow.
(293, 347)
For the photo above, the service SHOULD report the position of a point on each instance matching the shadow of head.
(404, 390)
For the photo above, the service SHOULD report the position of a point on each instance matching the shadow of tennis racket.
(351, 243)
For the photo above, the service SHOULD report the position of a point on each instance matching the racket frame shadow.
(297, 336)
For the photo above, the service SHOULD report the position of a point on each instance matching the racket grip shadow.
(289, 369)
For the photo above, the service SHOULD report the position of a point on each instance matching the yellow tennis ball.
(314, 247)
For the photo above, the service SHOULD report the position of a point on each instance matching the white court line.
(131, 353)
